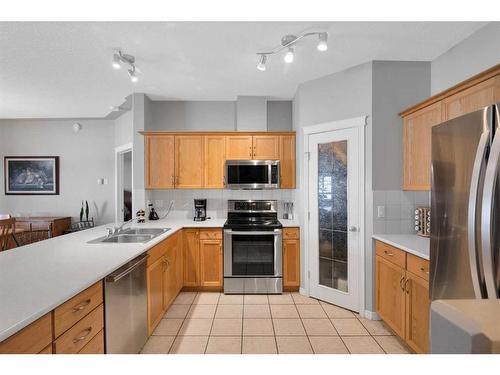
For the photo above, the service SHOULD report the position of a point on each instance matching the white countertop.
(36, 278)
(411, 243)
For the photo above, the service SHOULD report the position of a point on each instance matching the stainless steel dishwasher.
(125, 298)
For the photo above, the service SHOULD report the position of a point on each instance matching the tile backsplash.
(399, 209)
(216, 200)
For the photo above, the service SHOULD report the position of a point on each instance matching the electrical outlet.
(380, 211)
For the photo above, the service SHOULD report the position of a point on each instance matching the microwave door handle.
(479, 161)
(487, 214)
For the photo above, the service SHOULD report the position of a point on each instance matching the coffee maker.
(200, 209)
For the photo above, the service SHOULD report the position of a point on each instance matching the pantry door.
(335, 203)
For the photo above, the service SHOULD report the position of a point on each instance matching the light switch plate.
(380, 211)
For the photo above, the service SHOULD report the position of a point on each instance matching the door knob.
(352, 228)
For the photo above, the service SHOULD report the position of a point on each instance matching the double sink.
(131, 235)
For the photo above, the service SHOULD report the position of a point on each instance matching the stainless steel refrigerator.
(465, 207)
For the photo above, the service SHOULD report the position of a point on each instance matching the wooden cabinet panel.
(291, 233)
(211, 273)
(472, 99)
(31, 339)
(291, 263)
(169, 278)
(390, 297)
(417, 313)
(287, 162)
(191, 256)
(95, 346)
(210, 234)
(47, 350)
(156, 252)
(74, 339)
(76, 308)
(159, 161)
(188, 161)
(239, 147)
(266, 147)
(417, 129)
(179, 264)
(390, 253)
(154, 277)
(215, 156)
(418, 266)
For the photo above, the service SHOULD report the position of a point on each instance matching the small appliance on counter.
(288, 210)
(423, 221)
(152, 213)
(200, 210)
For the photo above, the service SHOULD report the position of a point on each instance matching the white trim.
(356, 122)
(119, 151)
(372, 315)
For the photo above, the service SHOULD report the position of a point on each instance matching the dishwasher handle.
(121, 273)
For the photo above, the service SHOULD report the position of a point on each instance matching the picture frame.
(31, 175)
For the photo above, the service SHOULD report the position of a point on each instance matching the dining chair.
(33, 235)
(7, 228)
(82, 225)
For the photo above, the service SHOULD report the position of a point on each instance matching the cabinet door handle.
(81, 306)
(83, 336)
(423, 270)
(388, 253)
(401, 282)
(406, 288)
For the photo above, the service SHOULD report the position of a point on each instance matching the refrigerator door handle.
(487, 212)
(475, 266)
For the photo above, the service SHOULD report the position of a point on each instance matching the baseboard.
(372, 315)
(303, 292)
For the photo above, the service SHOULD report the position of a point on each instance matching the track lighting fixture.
(120, 58)
(289, 42)
(322, 44)
(262, 63)
(289, 56)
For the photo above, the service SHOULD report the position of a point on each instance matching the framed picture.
(31, 175)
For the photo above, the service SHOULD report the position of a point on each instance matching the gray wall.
(396, 86)
(478, 52)
(279, 115)
(84, 157)
(124, 129)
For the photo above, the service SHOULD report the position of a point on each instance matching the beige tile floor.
(214, 323)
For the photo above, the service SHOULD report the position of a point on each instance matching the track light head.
(322, 44)
(133, 75)
(262, 63)
(116, 61)
(289, 55)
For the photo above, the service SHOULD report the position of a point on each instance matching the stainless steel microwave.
(252, 174)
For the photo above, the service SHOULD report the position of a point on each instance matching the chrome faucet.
(116, 229)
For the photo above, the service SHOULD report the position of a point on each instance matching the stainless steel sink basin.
(132, 235)
(153, 231)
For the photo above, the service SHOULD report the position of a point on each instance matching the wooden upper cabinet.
(417, 130)
(211, 263)
(215, 151)
(191, 257)
(266, 147)
(189, 161)
(239, 147)
(417, 313)
(472, 99)
(390, 297)
(159, 161)
(287, 161)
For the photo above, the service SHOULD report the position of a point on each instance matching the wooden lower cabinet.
(32, 339)
(211, 263)
(191, 257)
(94, 346)
(291, 259)
(154, 277)
(402, 298)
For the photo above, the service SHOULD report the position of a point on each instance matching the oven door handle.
(276, 232)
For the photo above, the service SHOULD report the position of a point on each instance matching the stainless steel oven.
(252, 248)
(252, 174)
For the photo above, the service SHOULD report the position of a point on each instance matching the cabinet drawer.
(210, 234)
(418, 266)
(31, 339)
(70, 312)
(94, 346)
(73, 340)
(291, 233)
(391, 253)
(156, 252)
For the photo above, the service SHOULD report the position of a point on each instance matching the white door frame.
(356, 122)
(119, 151)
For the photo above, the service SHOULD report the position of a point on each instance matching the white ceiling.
(63, 69)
